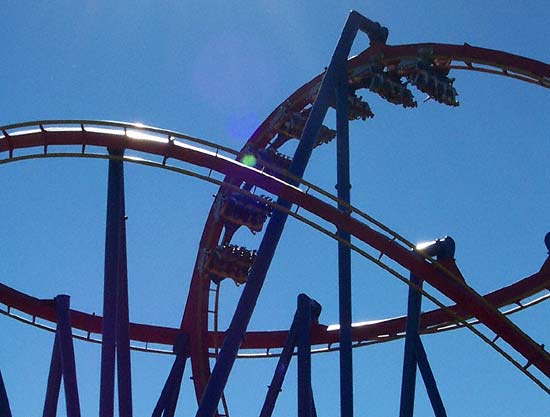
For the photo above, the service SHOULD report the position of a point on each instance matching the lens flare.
(249, 160)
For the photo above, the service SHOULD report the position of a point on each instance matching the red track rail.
(195, 315)
(505, 64)
(274, 339)
(455, 289)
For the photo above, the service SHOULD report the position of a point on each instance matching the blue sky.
(215, 70)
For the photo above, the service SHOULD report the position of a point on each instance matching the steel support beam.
(247, 302)
(64, 338)
(166, 404)
(429, 380)
(54, 382)
(304, 357)
(62, 364)
(313, 408)
(5, 410)
(280, 370)
(376, 33)
(124, 369)
(414, 354)
(307, 310)
(115, 341)
(343, 187)
(408, 385)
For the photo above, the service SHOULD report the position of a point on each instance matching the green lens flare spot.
(249, 160)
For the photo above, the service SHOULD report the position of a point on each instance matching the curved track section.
(392, 59)
(439, 277)
(387, 57)
(39, 312)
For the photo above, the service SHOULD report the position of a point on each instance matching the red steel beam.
(195, 315)
(455, 289)
(274, 339)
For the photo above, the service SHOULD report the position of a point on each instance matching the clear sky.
(216, 69)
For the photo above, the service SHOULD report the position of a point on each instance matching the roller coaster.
(259, 189)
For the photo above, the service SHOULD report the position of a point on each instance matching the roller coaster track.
(158, 339)
(463, 57)
(167, 149)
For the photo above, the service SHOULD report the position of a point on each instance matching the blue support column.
(124, 372)
(62, 364)
(247, 302)
(429, 380)
(111, 300)
(415, 354)
(313, 408)
(64, 337)
(343, 187)
(304, 357)
(166, 405)
(5, 410)
(296, 329)
(266, 251)
(54, 382)
(408, 385)
(280, 370)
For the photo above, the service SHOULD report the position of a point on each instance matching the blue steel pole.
(174, 395)
(66, 350)
(304, 357)
(112, 267)
(344, 251)
(284, 361)
(408, 384)
(168, 399)
(414, 350)
(313, 408)
(166, 404)
(182, 351)
(429, 380)
(54, 381)
(247, 302)
(124, 372)
(5, 410)
(280, 370)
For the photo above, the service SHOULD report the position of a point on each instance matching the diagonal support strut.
(247, 302)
